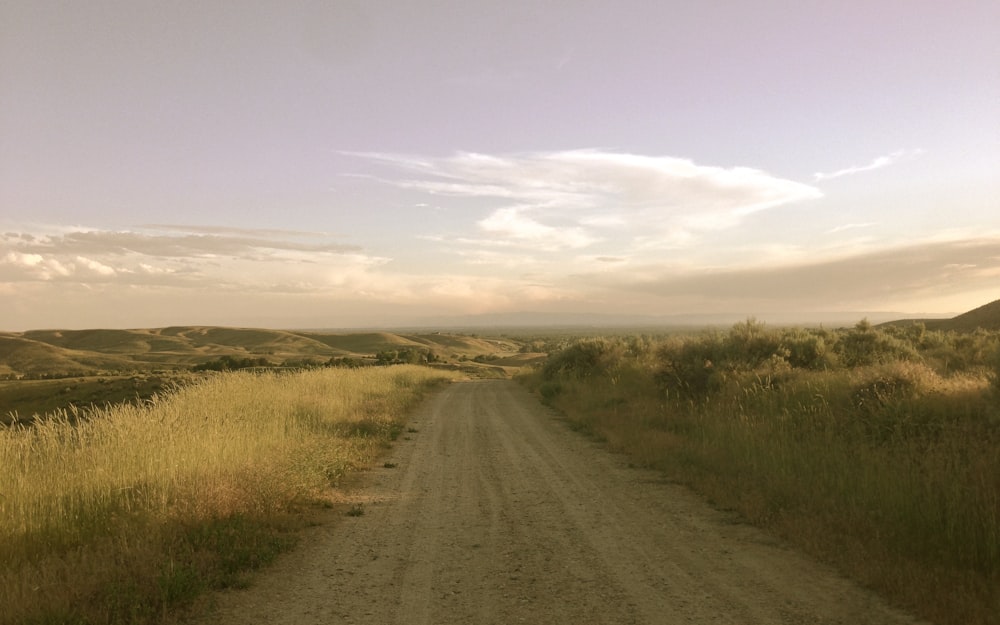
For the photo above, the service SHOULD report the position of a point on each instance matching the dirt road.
(497, 513)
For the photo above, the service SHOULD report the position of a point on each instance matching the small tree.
(386, 357)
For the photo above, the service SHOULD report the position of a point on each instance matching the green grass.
(128, 515)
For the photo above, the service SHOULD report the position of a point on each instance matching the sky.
(339, 163)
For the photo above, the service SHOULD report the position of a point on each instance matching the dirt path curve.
(497, 513)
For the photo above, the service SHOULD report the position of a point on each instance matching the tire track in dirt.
(497, 513)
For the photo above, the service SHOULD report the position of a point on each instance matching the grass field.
(887, 467)
(132, 513)
(21, 400)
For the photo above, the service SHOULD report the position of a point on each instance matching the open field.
(130, 514)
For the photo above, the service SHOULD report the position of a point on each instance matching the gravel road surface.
(497, 513)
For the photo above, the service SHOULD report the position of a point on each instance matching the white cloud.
(229, 269)
(577, 198)
(852, 226)
(603, 221)
(878, 163)
(493, 258)
(176, 255)
(514, 224)
(25, 260)
(17, 265)
(95, 266)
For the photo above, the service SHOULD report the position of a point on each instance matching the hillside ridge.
(79, 352)
(986, 317)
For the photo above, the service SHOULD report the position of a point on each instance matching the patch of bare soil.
(496, 513)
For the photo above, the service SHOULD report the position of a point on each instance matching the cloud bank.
(171, 255)
(920, 271)
(569, 231)
(166, 274)
(135, 279)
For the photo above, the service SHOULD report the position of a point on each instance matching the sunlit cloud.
(255, 233)
(141, 267)
(572, 199)
(95, 266)
(175, 255)
(853, 226)
(512, 223)
(878, 163)
(497, 259)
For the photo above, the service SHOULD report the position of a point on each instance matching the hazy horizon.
(360, 164)
(540, 321)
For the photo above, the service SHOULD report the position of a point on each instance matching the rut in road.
(497, 513)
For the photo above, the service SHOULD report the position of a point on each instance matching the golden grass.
(141, 506)
(902, 493)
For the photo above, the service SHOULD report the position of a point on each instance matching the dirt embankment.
(496, 513)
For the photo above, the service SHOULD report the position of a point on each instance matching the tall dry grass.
(132, 511)
(890, 470)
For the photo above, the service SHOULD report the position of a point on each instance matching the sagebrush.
(874, 448)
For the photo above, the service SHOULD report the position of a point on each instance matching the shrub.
(584, 359)
(865, 345)
(808, 350)
(688, 365)
(847, 442)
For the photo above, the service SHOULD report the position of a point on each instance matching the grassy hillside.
(24, 355)
(986, 317)
(79, 352)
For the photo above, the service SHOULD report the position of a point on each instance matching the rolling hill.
(77, 352)
(986, 317)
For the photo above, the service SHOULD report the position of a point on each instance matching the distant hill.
(77, 352)
(20, 355)
(986, 317)
(540, 321)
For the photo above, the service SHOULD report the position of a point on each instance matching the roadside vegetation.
(875, 449)
(129, 514)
